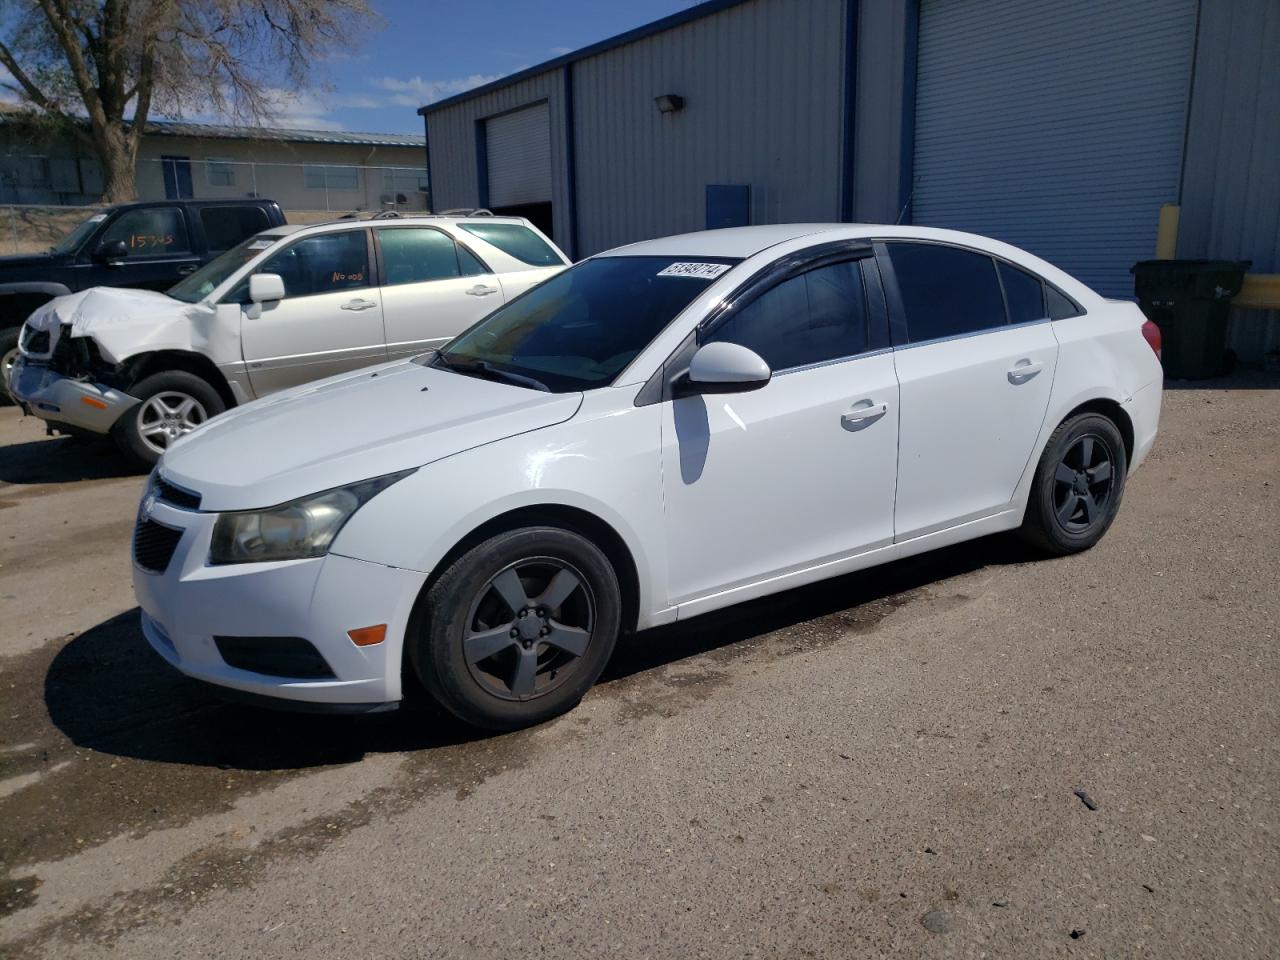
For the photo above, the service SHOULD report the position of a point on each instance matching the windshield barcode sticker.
(701, 271)
(260, 244)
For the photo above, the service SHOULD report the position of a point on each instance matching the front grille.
(153, 545)
(290, 657)
(175, 495)
(35, 342)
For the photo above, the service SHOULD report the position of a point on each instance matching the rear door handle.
(480, 290)
(1024, 370)
(864, 411)
(359, 305)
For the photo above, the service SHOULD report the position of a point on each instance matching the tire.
(144, 432)
(493, 668)
(1077, 487)
(8, 354)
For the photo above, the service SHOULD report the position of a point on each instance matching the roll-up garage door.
(519, 157)
(1056, 125)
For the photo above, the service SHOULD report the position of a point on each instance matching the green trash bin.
(1190, 301)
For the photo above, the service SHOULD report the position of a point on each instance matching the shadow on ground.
(63, 460)
(107, 691)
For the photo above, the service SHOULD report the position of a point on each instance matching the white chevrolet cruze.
(656, 432)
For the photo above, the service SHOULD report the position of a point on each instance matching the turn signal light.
(368, 636)
(94, 402)
(1151, 333)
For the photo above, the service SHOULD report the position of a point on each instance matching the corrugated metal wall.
(763, 93)
(882, 67)
(1231, 178)
(453, 144)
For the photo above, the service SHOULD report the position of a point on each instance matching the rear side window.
(1023, 292)
(416, 255)
(818, 316)
(517, 241)
(325, 263)
(224, 227)
(946, 291)
(1061, 307)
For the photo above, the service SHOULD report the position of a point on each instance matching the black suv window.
(325, 263)
(224, 227)
(946, 291)
(150, 232)
(419, 254)
(1023, 292)
(820, 315)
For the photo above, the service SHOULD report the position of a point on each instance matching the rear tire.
(8, 354)
(517, 629)
(1077, 487)
(172, 404)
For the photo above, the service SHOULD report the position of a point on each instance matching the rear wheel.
(8, 356)
(518, 628)
(172, 404)
(1077, 486)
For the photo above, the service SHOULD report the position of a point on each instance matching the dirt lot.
(881, 764)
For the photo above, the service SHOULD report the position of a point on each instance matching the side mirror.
(725, 368)
(266, 287)
(110, 250)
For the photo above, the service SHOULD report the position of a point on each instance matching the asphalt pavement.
(889, 763)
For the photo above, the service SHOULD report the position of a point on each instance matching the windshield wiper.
(485, 370)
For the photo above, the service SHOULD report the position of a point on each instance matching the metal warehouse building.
(1061, 126)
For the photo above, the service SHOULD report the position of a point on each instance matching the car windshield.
(72, 240)
(578, 330)
(204, 281)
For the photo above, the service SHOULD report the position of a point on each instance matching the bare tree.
(101, 67)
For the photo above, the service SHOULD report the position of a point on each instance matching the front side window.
(578, 330)
(515, 240)
(815, 317)
(197, 286)
(325, 263)
(946, 291)
(150, 232)
(1023, 292)
(420, 254)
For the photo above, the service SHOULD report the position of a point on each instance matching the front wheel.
(517, 629)
(172, 404)
(1077, 486)
(8, 357)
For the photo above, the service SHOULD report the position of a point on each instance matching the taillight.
(1151, 333)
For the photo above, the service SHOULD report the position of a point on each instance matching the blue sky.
(431, 49)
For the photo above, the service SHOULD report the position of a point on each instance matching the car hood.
(349, 428)
(121, 321)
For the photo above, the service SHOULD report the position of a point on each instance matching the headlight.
(292, 531)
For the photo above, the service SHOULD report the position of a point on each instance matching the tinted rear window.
(224, 227)
(516, 241)
(946, 291)
(1024, 293)
(1060, 305)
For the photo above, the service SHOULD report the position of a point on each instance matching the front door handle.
(480, 290)
(864, 411)
(359, 305)
(186, 268)
(1024, 370)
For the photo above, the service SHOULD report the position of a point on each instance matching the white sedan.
(659, 431)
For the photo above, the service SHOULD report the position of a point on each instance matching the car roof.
(400, 221)
(743, 242)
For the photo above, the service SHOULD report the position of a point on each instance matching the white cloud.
(415, 91)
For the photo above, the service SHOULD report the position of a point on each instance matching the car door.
(160, 245)
(329, 321)
(800, 472)
(433, 288)
(975, 387)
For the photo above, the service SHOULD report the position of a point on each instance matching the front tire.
(1077, 487)
(8, 356)
(172, 404)
(518, 628)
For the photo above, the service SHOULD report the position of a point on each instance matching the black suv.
(150, 245)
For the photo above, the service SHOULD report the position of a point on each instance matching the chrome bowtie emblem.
(148, 504)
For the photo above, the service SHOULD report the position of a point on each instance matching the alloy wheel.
(168, 415)
(528, 628)
(7, 360)
(1083, 483)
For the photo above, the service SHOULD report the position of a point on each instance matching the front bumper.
(190, 605)
(64, 401)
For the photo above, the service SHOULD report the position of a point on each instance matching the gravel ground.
(882, 764)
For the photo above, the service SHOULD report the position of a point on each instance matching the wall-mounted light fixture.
(669, 103)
